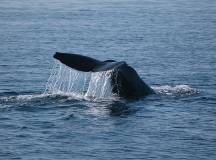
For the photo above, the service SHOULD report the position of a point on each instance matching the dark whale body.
(125, 80)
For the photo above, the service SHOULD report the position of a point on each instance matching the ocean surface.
(171, 44)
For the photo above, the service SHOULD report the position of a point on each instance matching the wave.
(180, 90)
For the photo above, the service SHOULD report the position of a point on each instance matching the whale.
(125, 81)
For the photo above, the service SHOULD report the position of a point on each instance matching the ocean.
(172, 46)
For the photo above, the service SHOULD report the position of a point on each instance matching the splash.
(175, 90)
(69, 84)
(84, 85)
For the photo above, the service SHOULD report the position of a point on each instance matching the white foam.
(175, 90)
(23, 97)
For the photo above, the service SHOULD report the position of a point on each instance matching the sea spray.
(90, 85)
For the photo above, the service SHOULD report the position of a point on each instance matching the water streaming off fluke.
(88, 85)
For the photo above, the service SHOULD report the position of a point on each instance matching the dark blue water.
(171, 44)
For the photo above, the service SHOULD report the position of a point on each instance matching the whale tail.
(78, 62)
(125, 80)
(86, 64)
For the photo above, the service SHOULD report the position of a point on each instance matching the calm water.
(171, 44)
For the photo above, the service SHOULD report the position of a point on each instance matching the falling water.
(88, 85)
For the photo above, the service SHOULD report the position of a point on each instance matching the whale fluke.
(125, 80)
(78, 62)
